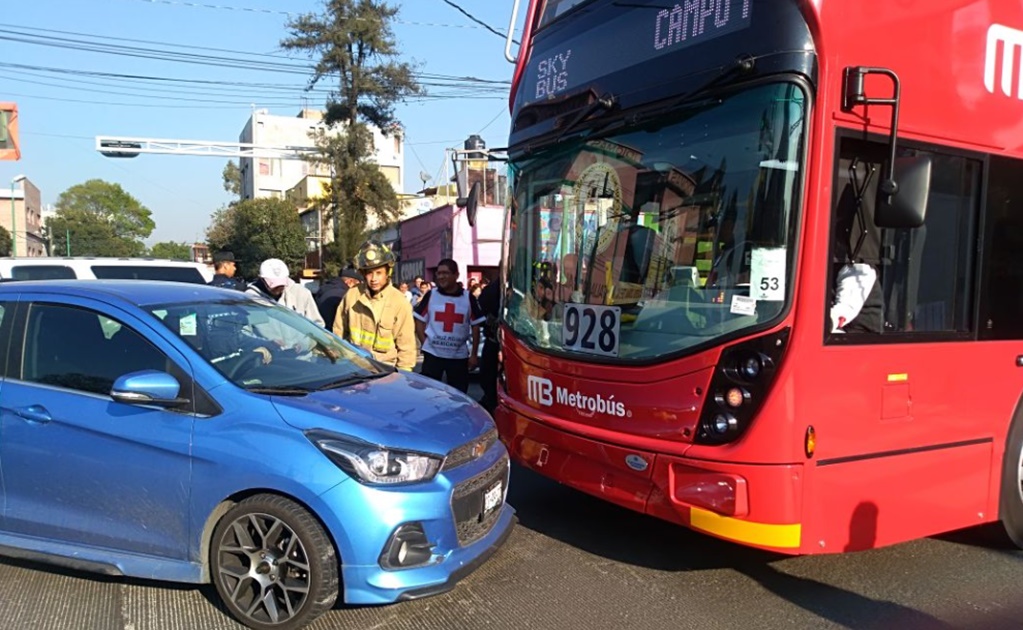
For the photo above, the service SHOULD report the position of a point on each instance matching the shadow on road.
(615, 533)
(608, 531)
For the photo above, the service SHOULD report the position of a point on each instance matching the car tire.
(272, 563)
(1011, 499)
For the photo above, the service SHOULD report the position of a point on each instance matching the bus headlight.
(739, 386)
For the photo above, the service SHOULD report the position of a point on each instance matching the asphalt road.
(576, 562)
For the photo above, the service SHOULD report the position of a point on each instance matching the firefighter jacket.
(382, 324)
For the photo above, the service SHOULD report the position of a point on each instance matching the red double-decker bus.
(765, 264)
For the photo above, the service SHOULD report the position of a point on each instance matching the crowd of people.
(444, 322)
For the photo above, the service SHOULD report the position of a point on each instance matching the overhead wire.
(223, 7)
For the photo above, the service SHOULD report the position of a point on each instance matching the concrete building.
(302, 182)
(264, 177)
(21, 214)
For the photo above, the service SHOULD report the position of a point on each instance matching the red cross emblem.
(448, 317)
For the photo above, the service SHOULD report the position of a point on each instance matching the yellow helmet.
(374, 254)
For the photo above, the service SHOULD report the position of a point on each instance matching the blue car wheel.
(272, 564)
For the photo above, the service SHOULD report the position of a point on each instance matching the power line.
(224, 7)
(246, 63)
(492, 120)
(477, 20)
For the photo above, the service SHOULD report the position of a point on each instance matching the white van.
(29, 268)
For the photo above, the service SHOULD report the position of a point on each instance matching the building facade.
(445, 233)
(274, 177)
(21, 214)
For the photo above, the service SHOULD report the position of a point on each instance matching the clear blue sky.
(57, 136)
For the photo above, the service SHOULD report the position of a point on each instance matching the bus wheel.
(1012, 484)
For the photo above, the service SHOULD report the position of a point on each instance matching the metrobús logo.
(543, 392)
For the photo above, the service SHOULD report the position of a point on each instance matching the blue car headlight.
(373, 464)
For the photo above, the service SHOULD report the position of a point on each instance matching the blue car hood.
(398, 410)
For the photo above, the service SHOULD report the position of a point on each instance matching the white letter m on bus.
(1009, 41)
(539, 389)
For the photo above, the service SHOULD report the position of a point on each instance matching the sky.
(63, 104)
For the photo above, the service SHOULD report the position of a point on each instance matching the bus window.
(1001, 291)
(906, 280)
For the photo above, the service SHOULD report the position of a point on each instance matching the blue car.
(195, 434)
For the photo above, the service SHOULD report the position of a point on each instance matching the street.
(576, 562)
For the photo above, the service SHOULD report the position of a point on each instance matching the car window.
(81, 349)
(146, 272)
(258, 344)
(42, 272)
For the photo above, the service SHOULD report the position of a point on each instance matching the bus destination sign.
(647, 32)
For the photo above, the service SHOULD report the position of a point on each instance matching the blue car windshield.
(258, 345)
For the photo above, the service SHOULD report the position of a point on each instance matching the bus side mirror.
(470, 203)
(908, 206)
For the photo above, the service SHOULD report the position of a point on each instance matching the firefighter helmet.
(374, 254)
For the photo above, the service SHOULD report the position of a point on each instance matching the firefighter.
(375, 315)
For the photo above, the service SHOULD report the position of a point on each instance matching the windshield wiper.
(279, 391)
(354, 379)
(604, 104)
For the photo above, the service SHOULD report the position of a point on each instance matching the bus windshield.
(649, 241)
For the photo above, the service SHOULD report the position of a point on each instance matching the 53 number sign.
(591, 328)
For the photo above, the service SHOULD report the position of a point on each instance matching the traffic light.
(10, 149)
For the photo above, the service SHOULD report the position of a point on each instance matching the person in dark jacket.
(224, 270)
(330, 294)
(490, 303)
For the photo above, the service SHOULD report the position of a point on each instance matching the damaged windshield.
(662, 237)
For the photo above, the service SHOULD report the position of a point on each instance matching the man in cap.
(275, 283)
(224, 270)
(375, 315)
(329, 297)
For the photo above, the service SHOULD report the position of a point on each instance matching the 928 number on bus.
(591, 328)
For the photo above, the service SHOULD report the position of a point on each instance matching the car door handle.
(34, 413)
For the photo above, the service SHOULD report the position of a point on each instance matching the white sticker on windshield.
(767, 274)
(187, 326)
(742, 305)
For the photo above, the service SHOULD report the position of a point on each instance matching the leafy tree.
(221, 228)
(257, 229)
(232, 178)
(5, 242)
(101, 219)
(352, 41)
(171, 251)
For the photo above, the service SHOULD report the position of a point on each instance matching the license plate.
(492, 498)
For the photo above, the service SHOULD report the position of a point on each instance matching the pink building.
(445, 233)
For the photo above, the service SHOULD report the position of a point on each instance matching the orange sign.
(10, 149)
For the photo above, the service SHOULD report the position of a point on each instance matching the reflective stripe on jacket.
(382, 324)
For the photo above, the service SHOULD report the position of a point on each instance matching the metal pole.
(14, 240)
(69, 242)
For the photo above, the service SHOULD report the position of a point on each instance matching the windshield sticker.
(187, 326)
(767, 274)
(743, 305)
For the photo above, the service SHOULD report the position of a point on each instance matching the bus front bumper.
(753, 504)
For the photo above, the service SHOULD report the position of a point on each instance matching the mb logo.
(539, 390)
(1003, 44)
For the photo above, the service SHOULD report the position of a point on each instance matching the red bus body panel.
(909, 436)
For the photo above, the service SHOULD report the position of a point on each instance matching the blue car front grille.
(467, 502)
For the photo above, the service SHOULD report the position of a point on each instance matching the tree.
(171, 251)
(99, 219)
(232, 178)
(353, 41)
(5, 242)
(257, 229)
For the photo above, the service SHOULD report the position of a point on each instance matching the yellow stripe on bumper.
(765, 534)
